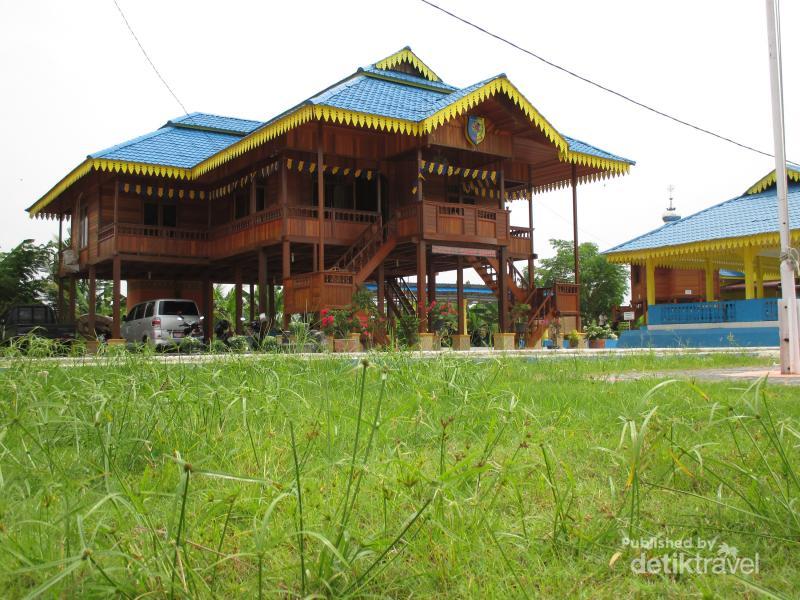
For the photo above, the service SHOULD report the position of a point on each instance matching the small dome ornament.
(670, 215)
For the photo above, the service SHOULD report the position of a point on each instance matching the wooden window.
(169, 215)
(241, 205)
(151, 214)
(160, 215)
(261, 198)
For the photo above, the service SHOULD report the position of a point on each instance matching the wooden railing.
(441, 219)
(311, 292)
(520, 242)
(340, 223)
(233, 237)
(273, 214)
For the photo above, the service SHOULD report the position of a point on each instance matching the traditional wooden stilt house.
(387, 174)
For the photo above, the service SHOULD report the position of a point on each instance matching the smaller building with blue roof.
(715, 270)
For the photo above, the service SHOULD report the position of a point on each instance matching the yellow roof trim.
(287, 122)
(407, 56)
(307, 112)
(103, 164)
(770, 179)
(667, 253)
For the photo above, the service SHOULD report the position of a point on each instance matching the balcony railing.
(521, 240)
(461, 222)
(341, 226)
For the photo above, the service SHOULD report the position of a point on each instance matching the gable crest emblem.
(476, 130)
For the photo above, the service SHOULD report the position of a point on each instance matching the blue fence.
(723, 311)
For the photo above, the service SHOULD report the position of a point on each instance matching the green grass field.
(279, 477)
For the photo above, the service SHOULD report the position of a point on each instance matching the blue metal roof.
(190, 139)
(583, 147)
(171, 146)
(444, 289)
(739, 217)
(396, 98)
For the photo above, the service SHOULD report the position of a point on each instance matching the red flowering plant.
(442, 315)
(326, 322)
(345, 322)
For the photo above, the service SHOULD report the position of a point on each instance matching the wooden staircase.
(369, 251)
(543, 301)
(401, 300)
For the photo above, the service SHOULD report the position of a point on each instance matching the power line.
(147, 56)
(594, 83)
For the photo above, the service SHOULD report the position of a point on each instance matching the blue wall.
(717, 337)
(724, 311)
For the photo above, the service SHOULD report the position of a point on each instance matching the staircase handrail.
(372, 236)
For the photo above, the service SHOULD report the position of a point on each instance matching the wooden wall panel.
(94, 225)
(453, 135)
(193, 214)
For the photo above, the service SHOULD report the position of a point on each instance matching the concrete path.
(473, 354)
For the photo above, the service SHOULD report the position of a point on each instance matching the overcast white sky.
(73, 81)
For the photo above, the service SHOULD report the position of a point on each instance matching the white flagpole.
(790, 340)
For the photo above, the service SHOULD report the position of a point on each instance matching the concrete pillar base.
(426, 341)
(461, 342)
(504, 341)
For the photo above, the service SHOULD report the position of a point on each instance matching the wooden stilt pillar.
(252, 298)
(321, 201)
(530, 226)
(73, 299)
(262, 280)
(462, 317)
(208, 307)
(271, 304)
(422, 296)
(381, 278)
(116, 321)
(59, 279)
(237, 327)
(502, 290)
(91, 300)
(431, 278)
(287, 272)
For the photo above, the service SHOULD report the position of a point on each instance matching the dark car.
(33, 319)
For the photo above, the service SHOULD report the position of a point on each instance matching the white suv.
(164, 322)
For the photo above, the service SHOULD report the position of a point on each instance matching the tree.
(603, 284)
(25, 273)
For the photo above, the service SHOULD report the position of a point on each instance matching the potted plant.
(519, 313)
(346, 330)
(597, 334)
(574, 339)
